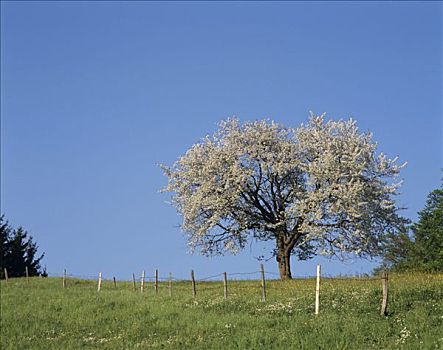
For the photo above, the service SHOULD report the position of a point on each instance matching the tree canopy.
(18, 252)
(421, 250)
(319, 188)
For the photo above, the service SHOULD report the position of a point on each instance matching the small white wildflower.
(404, 334)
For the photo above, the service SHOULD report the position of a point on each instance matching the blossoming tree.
(320, 188)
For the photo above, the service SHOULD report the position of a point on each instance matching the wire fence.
(233, 276)
(255, 282)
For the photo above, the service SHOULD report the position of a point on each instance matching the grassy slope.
(41, 315)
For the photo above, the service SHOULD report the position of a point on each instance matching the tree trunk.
(284, 263)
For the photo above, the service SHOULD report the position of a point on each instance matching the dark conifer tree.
(18, 252)
(5, 234)
(423, 250)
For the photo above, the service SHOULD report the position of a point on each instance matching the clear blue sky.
(96, 94)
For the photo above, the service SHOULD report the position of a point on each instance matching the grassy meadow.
(42, 315)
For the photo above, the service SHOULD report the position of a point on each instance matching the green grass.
(42, 315)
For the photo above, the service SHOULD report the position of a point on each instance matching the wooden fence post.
(6, 274)
(317, 291)
(64, 278)
(142, 284)
(115, 282)
(225, 285)
(384, 303)
(170, 284)
(194, 291)
(133, 281)
(99, 286)
(263, 283)
(156, 281)
(27, 274)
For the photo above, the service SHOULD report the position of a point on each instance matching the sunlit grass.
(42, 315)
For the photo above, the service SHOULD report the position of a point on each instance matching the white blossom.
(320, 187)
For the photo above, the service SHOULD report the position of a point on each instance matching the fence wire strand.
(206, 284)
